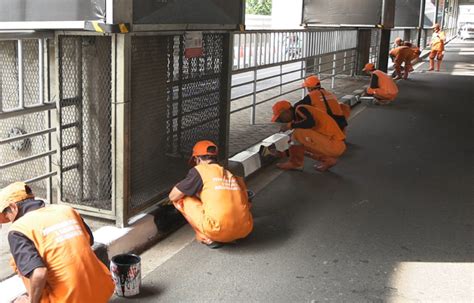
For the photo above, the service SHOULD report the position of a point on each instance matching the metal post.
(121, 94)
(21, 102)
(384, 49)
(333, 76)
(421, 22)
(40, 70)
(226, 95)
(253, 111)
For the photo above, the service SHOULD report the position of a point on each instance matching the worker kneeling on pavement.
(213, 201)
(325, 101)
(51, 249)
(382, 87)
(315, 134)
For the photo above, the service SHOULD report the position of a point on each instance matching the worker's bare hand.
(22, 299)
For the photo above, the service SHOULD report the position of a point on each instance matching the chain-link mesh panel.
(176, 101)
(24, 148)
(8, 75)
(85, 119)
(25, 124)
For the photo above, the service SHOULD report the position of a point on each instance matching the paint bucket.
(127, 275)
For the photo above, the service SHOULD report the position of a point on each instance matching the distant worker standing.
(315, 134)
(437, 47)
(212, 199)
(402, 57)
(381, 87)
(51, 250)
(325, 101)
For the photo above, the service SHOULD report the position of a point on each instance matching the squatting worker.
(402, 57)
(381, 87)
(315, 134)
(416, 52)
(325, 101)
(51, 249)
(437, 47)
(213, 201)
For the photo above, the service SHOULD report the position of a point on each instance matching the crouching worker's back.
(213, 201)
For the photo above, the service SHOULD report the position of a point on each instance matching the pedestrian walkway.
(392, 222)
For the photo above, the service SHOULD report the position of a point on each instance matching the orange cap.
(369, 67)
(202, 149)
(311, 81)
(436, 25)
(14, 193)
(280, 107)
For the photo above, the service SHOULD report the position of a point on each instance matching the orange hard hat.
(368, 67)
(204, 148)
(14, 193)
(311, 81)
(436, 25)
(280, 107)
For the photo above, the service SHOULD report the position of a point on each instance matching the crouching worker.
(315, 134)
(51, 249)
(213, 201)
(325, 101)
(381, 87)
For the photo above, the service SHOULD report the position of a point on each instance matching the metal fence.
(176, 101)
(85, 122)
(26, 151)
(270, 64)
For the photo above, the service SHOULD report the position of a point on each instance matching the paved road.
(393, 222)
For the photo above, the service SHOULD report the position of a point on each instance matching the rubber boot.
(325, 163)
(296, 160)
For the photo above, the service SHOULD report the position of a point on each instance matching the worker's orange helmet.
(368, 67)
(311, 81)
(280, 107)
(436, 26)
(398, 40)
(14, 193)
(205, 148)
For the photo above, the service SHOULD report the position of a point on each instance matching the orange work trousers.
(319, 145)
(193, 212)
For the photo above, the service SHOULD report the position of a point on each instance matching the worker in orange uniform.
(382, 87)
(437, 47)
(51, 250)
(213, 201)
(402, 57)
(325, 101)
(315, 134)
(416, 52)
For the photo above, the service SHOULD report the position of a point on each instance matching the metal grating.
(176, 102)
(24, 124)
(85, 121)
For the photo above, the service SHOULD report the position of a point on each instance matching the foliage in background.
(259, 7)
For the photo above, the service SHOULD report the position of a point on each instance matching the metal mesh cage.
(24, 124)
(176, 101)
(85, 121)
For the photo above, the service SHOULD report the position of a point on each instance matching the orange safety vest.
(387, 90)
(227, 215)
(437, 41)
(318, 101)
(75, 274)
(325, 125)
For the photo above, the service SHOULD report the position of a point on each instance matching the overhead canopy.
(51, 10)
(188, 12)
(342, 12)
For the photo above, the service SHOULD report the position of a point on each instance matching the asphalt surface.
(392, 222)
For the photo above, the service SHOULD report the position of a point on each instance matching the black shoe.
(214, 245)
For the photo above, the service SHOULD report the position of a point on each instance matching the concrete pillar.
(363, 50)
(406, 35)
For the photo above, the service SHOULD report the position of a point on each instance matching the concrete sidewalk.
(392, 222)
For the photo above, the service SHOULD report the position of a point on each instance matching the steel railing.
(285, 58)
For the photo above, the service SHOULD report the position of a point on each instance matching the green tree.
(259, 7)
